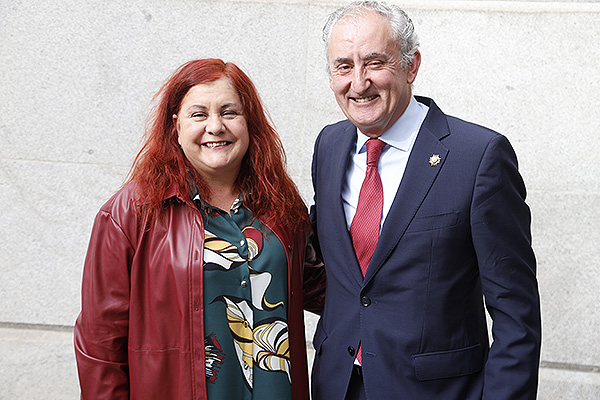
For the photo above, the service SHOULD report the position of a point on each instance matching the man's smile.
(363, 99)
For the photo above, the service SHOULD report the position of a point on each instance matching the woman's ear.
(176, 126)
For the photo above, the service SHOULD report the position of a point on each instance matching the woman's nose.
(214, 125)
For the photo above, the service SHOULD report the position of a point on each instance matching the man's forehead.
(354, 29)
(368, 18)
(383, 56)
(362, 47)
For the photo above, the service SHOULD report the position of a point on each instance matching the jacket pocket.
(433, 222)
(448, 364)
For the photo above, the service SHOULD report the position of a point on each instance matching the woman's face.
(212, 129)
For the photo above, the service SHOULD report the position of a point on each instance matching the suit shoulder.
(460, 131)
(471, 130)
(468, 138)
(337, 128)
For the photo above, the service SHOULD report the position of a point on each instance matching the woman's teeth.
(215, 144)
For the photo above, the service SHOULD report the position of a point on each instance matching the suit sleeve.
(314, 278)
(314, 270)
(502, 239)
(101, 330)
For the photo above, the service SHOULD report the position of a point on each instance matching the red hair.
(160, 164)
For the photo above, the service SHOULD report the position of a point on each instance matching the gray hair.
(403, 30)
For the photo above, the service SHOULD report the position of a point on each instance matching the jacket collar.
(173, 191)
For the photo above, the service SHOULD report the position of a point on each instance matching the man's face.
(365, 73)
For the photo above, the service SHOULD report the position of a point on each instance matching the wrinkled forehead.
(361, 24)
(362, 16)
(364, 33)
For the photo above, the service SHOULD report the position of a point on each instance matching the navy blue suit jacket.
(457, 232)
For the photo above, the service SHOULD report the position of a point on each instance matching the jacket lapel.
(345, 147)
(418, 178)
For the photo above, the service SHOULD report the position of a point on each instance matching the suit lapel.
(344, 148)
(418, 179)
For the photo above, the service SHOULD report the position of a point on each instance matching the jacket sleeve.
(102, 326)
(314, 270)
(313, 285)
(500, 223)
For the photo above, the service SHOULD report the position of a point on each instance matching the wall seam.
(570, 367)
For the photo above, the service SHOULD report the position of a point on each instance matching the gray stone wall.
(76, 83)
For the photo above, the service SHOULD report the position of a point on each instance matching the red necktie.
(364, 228)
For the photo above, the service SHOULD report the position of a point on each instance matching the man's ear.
(413, 68)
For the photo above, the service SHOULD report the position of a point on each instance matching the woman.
(193, 280)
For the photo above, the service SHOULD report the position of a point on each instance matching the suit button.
(351, 351)
(365, 301)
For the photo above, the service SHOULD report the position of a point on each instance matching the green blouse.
(245, 307)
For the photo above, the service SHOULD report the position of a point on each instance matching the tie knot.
(374, 147)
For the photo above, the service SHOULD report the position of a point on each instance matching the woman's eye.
(198, 115)
(229, 114)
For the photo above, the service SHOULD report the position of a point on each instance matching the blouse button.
(242, 242)
(243, 284)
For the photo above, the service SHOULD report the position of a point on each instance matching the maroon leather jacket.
(140, 334)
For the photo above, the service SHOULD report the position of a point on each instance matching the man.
(415, 241)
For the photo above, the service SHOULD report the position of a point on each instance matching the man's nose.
(360, 81)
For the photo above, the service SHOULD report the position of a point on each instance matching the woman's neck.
(222, 196)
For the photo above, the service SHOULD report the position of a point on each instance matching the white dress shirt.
(399, 141)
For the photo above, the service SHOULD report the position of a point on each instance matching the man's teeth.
(364, 99)
(215, 144)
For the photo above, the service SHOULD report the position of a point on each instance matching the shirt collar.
(402, 133)
(203, 205)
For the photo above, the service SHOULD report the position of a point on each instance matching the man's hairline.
(355, 17)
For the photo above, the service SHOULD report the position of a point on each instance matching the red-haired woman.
(193, 280)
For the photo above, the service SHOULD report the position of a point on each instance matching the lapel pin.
(434, 160)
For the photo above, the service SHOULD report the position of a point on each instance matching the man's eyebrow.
(342, 60)
(371, 56)
(376, 56)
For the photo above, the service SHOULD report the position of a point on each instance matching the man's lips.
(364, 99)
(212, 145)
